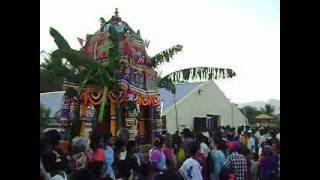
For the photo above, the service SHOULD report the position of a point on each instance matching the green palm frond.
(200, 73)
(165, 55)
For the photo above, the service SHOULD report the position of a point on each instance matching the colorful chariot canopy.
(136, 72)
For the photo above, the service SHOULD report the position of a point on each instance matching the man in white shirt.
(262, 139)
(191, 168)
(278, 136)
(257, 134)
(251, 144)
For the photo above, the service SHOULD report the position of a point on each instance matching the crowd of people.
(223, 153)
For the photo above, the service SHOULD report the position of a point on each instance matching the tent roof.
(182, 89)
(263, 116)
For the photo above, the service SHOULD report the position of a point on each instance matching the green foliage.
(44, 117)
(91, 72)
(103, 104)
(71, 92)
(102, 21)
(167, 83)
(275, 121)
(59, 39)
(196, 73)
(76, 58)
(250, 113)
(268, 109)
(114, 51)
(53, 72)
(165, 55)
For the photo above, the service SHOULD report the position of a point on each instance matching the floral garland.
(150, 101)
(84, 98)
(90, 97)
(156, 100)
(95, 100)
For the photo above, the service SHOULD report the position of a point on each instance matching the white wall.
(211, 101)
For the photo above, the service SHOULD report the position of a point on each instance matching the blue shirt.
(218, 159)
(109, 158)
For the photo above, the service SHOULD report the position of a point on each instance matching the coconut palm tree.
(268, 109)
(250, 113)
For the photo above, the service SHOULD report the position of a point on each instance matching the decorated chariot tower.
(138, 100)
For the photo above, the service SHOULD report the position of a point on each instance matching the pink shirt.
(167, 152)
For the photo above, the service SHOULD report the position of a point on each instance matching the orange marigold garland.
(95, 100)
(149, 101)
(84, 98)
(156, 100)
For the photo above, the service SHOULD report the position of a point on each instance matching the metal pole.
(175, 107)
(151, 124)
(232, 115)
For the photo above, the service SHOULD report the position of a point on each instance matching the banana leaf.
(59, 39)
(103, 104)
(167, 84)
(76, 58)
(199, 73)
(165, 55)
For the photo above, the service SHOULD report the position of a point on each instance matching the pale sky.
(240, 34)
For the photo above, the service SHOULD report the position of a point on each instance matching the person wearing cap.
(237, 162)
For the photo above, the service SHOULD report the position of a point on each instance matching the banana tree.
(93, 73)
